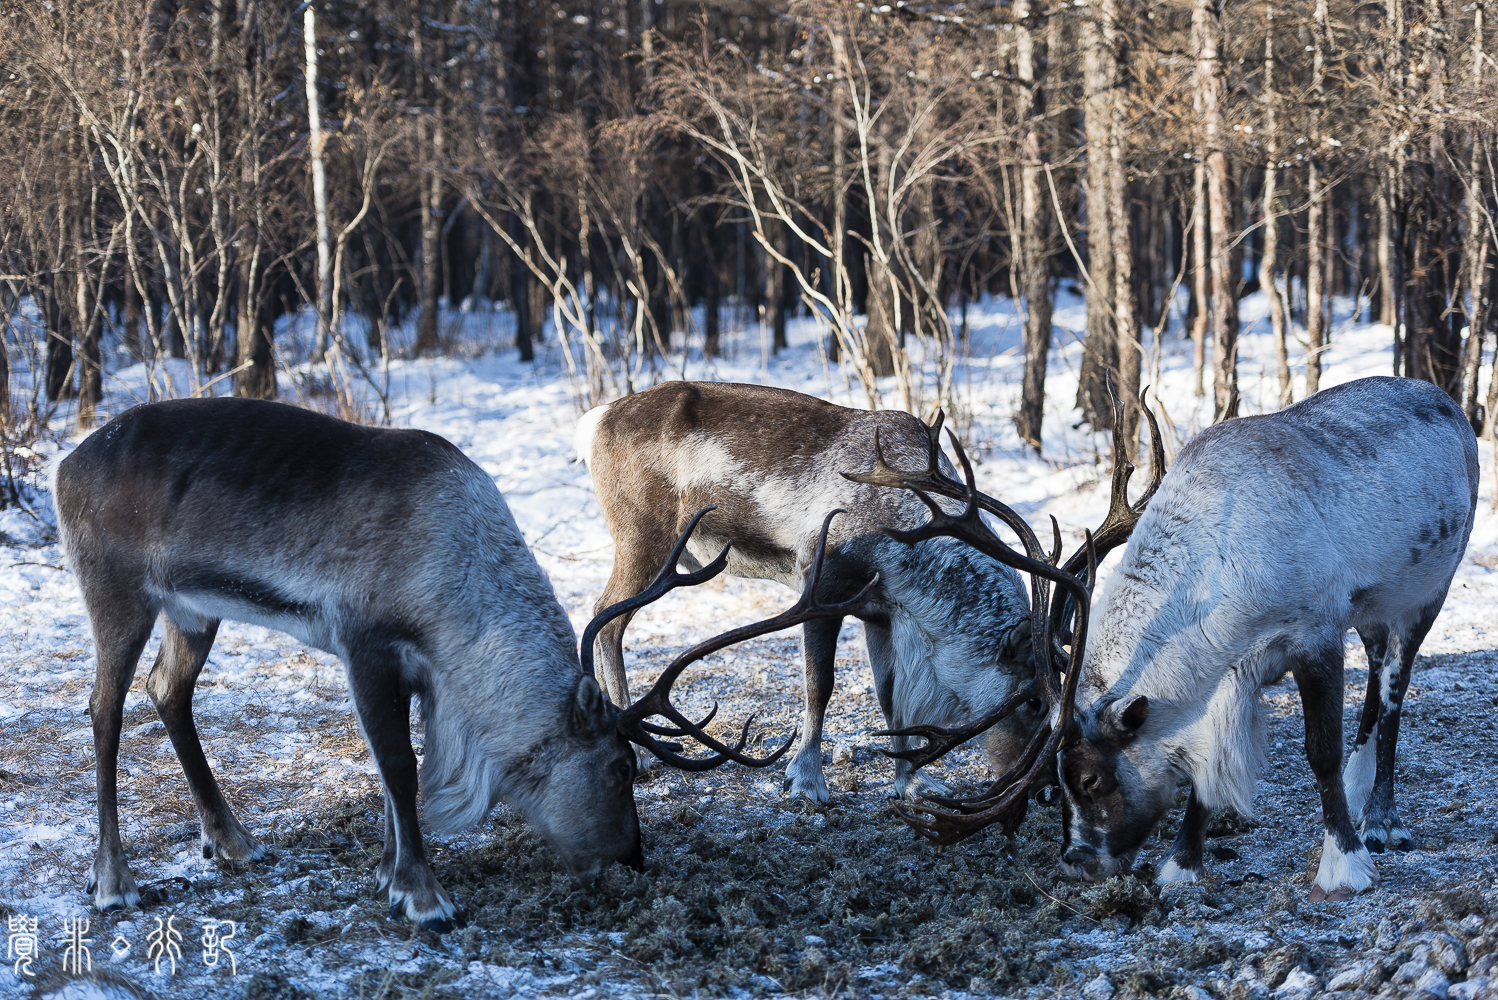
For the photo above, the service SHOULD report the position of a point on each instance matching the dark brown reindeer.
(394, 552)
(947, 629)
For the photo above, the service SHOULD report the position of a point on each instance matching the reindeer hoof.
(444, 925)
(1340, 876)
(237, 846)
(1172, 873)
(1340, 894)
(919, 785)
(810, 786)
(115, 890)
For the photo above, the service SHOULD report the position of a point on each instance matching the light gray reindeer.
(947, 629)
(394, 552)
(1270, 537)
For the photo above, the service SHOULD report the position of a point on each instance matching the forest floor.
(746, 891)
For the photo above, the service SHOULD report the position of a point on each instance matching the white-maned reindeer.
(1269, 538)
(391, 550)
(947, 629)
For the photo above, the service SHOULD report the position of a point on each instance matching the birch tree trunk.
(1211, 85)
(316, 142)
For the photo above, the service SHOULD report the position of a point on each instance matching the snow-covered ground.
(275, 718)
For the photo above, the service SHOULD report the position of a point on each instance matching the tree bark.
(775, 287)
(316, 141)
(1126, 324)
(1316, 305)
(520, 296)
(254, 326)
(1212, 87)
(1476, 252)
(1100, 348)
(1034, 234)
(1201, 323)
(1268, 261)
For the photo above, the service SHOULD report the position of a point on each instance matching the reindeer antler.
(1119, 523)
(656, 702)
(1006, 799)
(932, 480)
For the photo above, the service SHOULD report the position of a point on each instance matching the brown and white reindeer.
(1270, 538)
(947, 628)
(394, 552)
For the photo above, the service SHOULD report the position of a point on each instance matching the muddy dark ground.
(751, 893)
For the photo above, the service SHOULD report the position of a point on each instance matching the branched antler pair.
(632, 722)
(1056, 623)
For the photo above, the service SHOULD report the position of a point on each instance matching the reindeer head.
(591, 787)
(1015, 730)
(581, 794)
(1113, 797)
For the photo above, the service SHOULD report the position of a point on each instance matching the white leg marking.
(1171, 872)
(1357, 778)
(1353, 871)
(803, 775)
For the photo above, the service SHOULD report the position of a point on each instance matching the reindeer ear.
(589, 709)
(1120, 721)
(1017, 643)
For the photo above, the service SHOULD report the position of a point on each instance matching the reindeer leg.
(909, 782)
(121, 626)
(1186, 863)
(1346, 869)
(170, 686)
(803, 775)
(386, 868)
(383, 704)
(636, 561)
(1357, 776)
(1381, 824)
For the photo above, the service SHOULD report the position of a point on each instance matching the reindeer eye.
(624, 771)
(1036, 705)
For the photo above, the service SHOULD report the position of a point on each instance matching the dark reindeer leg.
(1357, 776)
(384, 707)
(1381, 824)
(121, 625)
(1346, 869)
(803, 775)
(170, 686)
(1186, 863)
